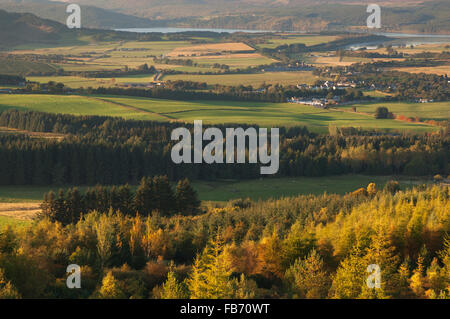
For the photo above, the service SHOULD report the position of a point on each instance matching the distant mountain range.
(204, 9)
(167, 9)
(92, 17)
(29, 29)
(426, 16)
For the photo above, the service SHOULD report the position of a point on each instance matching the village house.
(317, 103)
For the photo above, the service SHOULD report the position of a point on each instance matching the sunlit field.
(211, 112)
(308, 40)
(255, 80)
(426, 111)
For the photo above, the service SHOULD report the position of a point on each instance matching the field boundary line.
(208, 109)
(132, 108)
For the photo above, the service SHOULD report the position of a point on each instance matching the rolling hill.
(166, 9)
(300, 15)
(426, 16)
(30, 30)
(92, 17)
(17, 28)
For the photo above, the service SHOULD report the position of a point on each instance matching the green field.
(26, 194)
(256, 80)
(219, 191)
(76, 82)
(286, 187)
(263, 114)
(235, 62)
(72, 104)
(22, 67)
(211, 112)
(426, 111)
(222, 191)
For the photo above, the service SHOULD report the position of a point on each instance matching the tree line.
(152, 195)
(113, 151)
(11, 79)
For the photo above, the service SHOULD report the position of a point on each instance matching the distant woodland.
(104, 150)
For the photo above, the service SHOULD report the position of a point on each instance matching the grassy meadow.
(211, 112)
(76, 82)
(426, 111)
(224, 190)
(72, 104)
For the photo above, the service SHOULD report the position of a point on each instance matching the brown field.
(346, 61)
(334, 60)
(387, 59)
(231, 56)
(8, 130)
(24, 211)
(205, 49)
(439, 70)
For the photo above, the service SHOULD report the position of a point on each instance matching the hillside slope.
(17, 28)
(91, 17)
(306, 15)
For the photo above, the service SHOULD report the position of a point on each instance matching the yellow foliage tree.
(210, 277)
(7, 289)
(171, 288)
(308, 277)
(350, 276)
(110, 288)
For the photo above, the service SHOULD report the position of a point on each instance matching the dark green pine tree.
(187, 201)
(103, 202)
(60, 208)
(75, 168)
(90, 166)
(48, 206)
(19, 177)
(75, 205)
(114, 198)
(164, 197)
(39, 168)
(5, 166)
(125, 200)
(144, 199)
